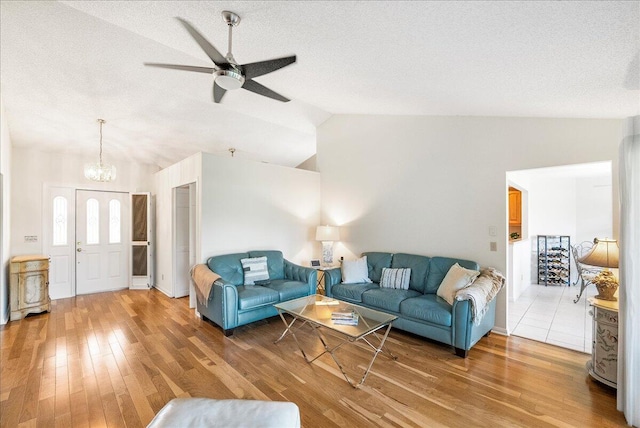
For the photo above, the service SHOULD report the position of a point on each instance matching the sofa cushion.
(387, 299)
(253, 296)
(438, 268)
(376, 261)
(255, 270)
(355, 271)
(228, 267)
(395, 278)
(288, 289)
(427, 307)
(351, 292)
(275, 262)
(456, 279)
(419, 269)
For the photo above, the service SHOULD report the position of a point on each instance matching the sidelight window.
(59, 221)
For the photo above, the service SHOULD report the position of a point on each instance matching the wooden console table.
(603, 365)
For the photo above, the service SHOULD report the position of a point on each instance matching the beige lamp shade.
(327, 233)
(604, 254)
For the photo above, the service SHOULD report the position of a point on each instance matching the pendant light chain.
(100, 171)
(101, 121)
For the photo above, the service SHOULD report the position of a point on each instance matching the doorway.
(184, 239)
(572, 200)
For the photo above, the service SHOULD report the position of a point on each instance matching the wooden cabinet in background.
(515, 207)
(29, 289)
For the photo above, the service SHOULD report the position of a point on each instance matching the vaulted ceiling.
(65, 64)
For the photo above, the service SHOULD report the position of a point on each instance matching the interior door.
(182, 241)
(102, 245)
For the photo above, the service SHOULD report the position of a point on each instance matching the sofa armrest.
(302, 274)
(465, 332)
(222, 306)
(331, 278)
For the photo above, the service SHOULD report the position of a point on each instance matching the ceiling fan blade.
(207, 70)
(256, 69)
(218, 92)
(207, 47)
(253, 86)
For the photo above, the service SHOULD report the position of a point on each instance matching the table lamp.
(603, 254)
(327, 234)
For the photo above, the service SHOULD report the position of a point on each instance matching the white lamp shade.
(604, 254)
(327, 233)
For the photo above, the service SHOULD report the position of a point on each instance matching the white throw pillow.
(456, 279)
(356, 271)
(255, 269)
(395, 278)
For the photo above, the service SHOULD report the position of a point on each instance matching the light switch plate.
(492, 231)
(493, 246)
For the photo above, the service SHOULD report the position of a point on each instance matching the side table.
(603, 365)
(321, 274)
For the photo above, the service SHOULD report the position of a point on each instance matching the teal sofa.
(231, 303)
(419, 309)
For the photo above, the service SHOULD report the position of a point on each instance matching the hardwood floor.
(114, 359)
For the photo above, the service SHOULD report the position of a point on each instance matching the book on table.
(345, 318)
(327, 302)
(342, 315)
(346, 321)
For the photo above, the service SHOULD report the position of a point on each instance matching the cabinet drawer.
(29, 266)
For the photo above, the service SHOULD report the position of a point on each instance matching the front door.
(102, 245)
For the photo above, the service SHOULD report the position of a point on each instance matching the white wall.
(553, 206)
(33, 169)
(434, 185)
(249, 205)
(594, 209)
(242, 205)
(5, 215)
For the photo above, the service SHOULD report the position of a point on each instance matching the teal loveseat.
(231, 303)
(419, 309)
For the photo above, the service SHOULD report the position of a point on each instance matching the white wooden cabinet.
(29, 290)
(604, 353)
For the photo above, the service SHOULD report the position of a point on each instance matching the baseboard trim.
(501, 331)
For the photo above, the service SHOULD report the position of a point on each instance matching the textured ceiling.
(64, 64)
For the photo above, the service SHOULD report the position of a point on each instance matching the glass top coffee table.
(336, 315)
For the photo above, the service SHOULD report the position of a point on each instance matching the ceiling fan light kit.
(229, 79)
(228, 74)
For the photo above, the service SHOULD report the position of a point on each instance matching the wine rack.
(554, 267)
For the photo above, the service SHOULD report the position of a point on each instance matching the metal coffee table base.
(331, 350)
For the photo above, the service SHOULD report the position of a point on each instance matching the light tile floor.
(548, 314)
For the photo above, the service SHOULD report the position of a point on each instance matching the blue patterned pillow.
(395, 278)
(255, 270)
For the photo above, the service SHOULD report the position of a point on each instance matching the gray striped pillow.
(395, 278)
(255, 269)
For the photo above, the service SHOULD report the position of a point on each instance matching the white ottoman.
(206, 412)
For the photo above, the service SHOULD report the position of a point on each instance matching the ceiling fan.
(228, 74)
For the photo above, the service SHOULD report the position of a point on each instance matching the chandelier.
(100, 171)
